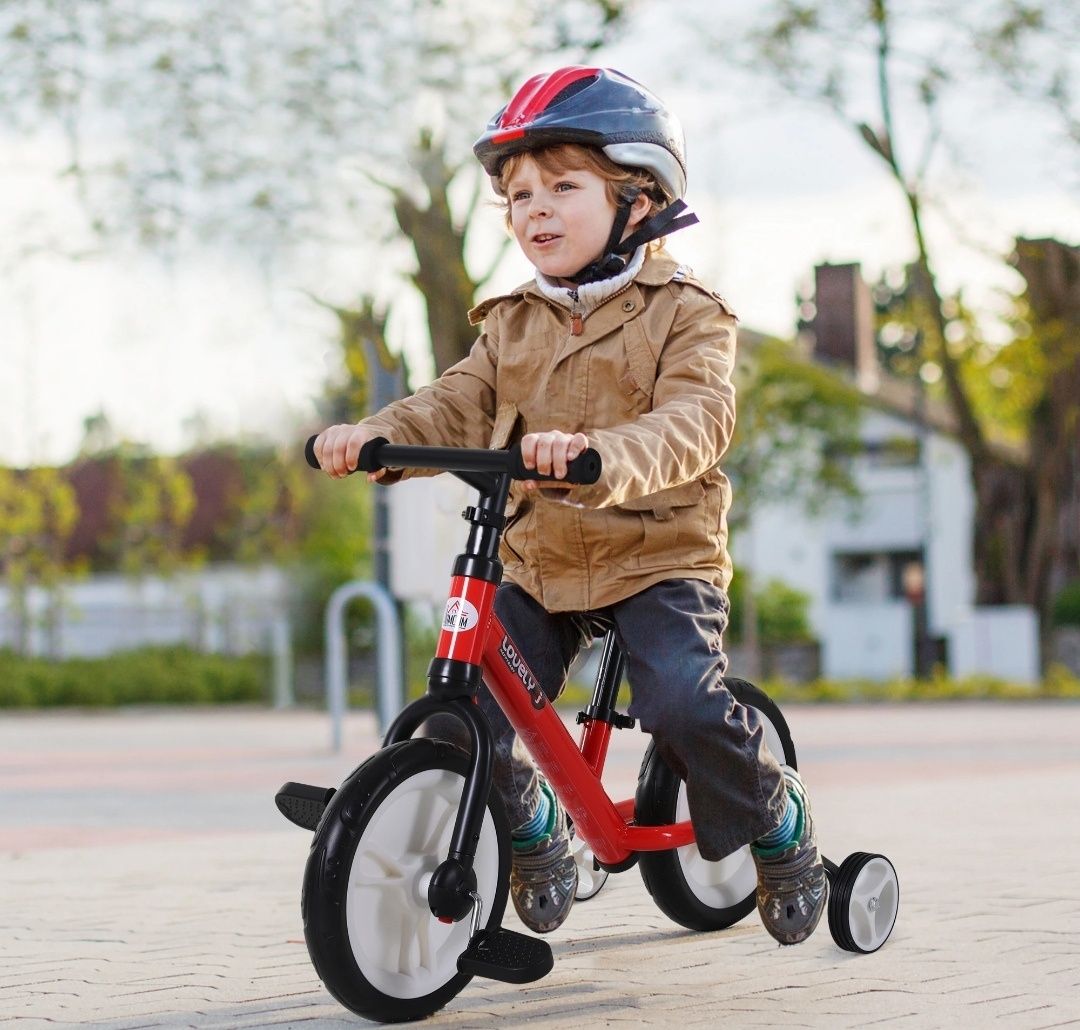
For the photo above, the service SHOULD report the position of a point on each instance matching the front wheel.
(696, 893)
(369, 931)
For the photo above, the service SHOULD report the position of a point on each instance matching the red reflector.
(506, 137)
(445, 919)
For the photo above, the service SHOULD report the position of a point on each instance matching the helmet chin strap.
(617, 251)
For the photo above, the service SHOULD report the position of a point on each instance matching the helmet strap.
(613, 261)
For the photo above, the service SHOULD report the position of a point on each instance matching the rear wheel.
(697, 893)
(369, 931)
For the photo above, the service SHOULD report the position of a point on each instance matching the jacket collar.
(658, 270)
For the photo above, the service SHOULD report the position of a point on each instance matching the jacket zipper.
(577, 320)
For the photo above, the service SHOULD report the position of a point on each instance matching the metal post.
(389, 692)
(281, 652)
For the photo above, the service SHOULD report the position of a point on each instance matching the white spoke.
(423, 939)
(389, 871)
(862, 927)
(431, 845)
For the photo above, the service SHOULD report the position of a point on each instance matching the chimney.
(843, 323)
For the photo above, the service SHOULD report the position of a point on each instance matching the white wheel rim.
(734, 878)
(875, 897)
(400, 947)
(590, 879)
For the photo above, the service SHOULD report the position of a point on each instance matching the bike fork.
(453, 884)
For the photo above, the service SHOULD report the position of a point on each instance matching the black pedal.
(304, 804)
(506, 955)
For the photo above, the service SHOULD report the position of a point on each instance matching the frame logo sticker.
(460, 615)
(517, 666)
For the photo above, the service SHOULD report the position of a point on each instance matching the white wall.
(219, 608)
(870, 641)
(426, 533)
(1000, 641)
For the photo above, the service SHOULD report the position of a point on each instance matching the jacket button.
(628, 305)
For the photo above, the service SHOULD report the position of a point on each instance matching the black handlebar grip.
(368, 462)
(584, 470)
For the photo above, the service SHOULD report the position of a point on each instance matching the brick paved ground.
(146, 880)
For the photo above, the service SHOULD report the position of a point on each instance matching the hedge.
(166, 675)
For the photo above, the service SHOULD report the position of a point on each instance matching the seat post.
(601, 715)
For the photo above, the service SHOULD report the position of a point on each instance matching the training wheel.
(864, 897)
(590, 876)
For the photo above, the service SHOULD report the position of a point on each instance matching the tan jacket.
(648, 380)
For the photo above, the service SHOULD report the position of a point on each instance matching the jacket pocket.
(659, 530)
(506, 420)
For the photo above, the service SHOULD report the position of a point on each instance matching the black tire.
(864, 899)
(697, 894)
(410, 822)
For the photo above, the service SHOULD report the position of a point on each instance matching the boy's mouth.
(544, 237)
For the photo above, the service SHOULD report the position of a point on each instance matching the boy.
(614, 346)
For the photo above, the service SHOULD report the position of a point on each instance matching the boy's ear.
(639, 209)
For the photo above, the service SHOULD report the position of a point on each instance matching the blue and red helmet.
(597, 107)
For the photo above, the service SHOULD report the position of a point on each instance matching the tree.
(38, 512)
(283, 128)
(1035, 49)
(151, 502)
(816, 51)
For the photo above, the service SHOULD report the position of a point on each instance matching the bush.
(1067, 606)
(1058, 684)
(783, 612)
(170, 675)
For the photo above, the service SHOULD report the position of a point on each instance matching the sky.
(215, 345)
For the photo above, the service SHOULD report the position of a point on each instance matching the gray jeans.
(672, 633)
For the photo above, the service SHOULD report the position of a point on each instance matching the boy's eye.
(519, 195)
(562, 187)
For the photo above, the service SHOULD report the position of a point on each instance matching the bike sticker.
(460, 615)
(517, 666)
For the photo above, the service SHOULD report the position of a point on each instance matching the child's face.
(561, 221)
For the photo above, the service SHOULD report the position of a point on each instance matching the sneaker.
(544, 876)
(792, 886)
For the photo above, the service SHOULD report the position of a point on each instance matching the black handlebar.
(379, 453)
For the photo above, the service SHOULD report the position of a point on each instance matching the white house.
(866, 569)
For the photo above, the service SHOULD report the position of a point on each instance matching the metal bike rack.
(389, 693)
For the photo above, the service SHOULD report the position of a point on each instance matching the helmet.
(597, 107)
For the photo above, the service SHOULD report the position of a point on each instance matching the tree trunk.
(441, 275)
(1051, 270)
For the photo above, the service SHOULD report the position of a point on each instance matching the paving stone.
(146, 880)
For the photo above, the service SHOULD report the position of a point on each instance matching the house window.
(893, 452)
(873, 576)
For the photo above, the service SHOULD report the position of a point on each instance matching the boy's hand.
(338, 450)
(549, 454)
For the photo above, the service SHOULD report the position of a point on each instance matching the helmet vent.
(569, 91)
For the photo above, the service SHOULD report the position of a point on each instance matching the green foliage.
(335, 546)
(783, 612)
(148, 676)
(149, 510)
(38, 512)
(1067, 606)
(262, 523)
(1058, 684)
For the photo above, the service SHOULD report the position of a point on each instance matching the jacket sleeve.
(693, 414)
(456, 410)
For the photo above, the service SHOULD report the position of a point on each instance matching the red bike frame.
(473, 633)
